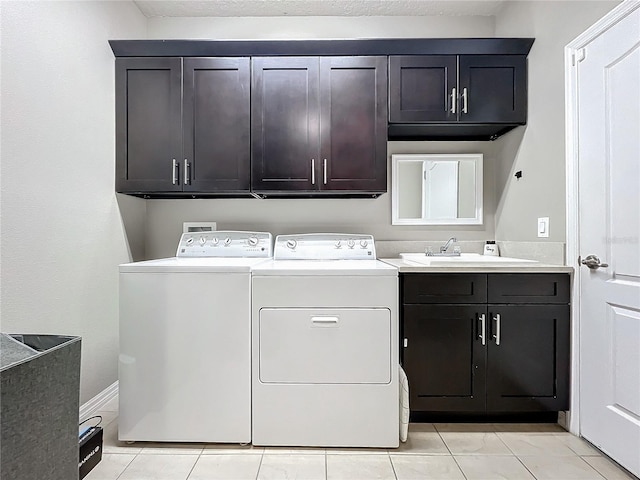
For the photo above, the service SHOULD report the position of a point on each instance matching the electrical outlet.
(543, 227)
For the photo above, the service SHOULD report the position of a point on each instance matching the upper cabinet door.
(284, 124)
(353, 123)
(216, 125)
(493, 88)
(422, 88)
(148, 124)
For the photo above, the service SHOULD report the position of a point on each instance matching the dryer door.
(325, 346)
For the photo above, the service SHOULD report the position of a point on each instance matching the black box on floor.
(90, 450)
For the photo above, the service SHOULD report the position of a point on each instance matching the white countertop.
(407, 266)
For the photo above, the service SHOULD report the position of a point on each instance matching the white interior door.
(608, 102)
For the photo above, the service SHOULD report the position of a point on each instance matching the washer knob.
(227, 241)
(291, 244)
(189, 241)
(252, 241)
(351, 243)
(364, 243)
(202, 240)
(339, 244)
(215, 240)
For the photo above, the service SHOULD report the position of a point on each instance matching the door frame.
(573, 54)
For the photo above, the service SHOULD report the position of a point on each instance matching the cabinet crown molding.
(365, 47)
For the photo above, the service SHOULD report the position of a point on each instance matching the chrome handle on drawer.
(325, 321)
(483, 329)
(497, 334)
(313, 171)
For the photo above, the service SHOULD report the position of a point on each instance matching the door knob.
(593, 262)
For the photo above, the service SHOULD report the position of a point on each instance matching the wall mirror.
(434, 189)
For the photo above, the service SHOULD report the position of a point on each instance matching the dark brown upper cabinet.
(182, 126)
(319, 125)
(456, 96)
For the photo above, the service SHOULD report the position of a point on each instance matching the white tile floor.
(433, 451)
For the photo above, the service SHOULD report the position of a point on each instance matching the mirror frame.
(396, 159)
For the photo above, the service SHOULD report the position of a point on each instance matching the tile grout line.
(592, 467)
(525, 467)
(450, 453)
(259, 465)
(393, 468)
(128, 465)
(326, 468)
(195, 463)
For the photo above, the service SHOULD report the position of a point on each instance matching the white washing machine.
(325, 344)
(185, 340)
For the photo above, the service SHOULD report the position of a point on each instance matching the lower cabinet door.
(528, 358)
(444, 357)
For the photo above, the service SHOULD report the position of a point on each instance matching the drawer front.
(528, 288)
(444, 288)
(325, 346)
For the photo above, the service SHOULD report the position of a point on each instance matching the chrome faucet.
(445, 247)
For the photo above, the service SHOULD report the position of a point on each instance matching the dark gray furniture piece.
(39, 407)
(480, 343)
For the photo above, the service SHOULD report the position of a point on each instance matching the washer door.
(325, 346)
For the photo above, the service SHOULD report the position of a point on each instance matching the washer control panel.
(325, 246)
(225, 243)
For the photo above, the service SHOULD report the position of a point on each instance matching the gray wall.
(165, 217)
(62, 231)
(539, 150)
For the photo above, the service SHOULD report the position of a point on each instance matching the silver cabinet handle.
(187, 176)
(174, 172)
(324, 171)
(324, 319)
(593, 262)
(483, 329)
(497, 334)
(453, 100)
(313, 171)
(465, 99)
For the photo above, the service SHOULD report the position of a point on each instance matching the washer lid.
(186, 264)
(324, 267)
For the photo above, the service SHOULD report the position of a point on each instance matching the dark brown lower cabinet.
(485, 358)
(528, 358)
(443, 359)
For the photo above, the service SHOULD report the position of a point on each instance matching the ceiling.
(342, 8)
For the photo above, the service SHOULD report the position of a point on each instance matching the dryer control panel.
(225, 243)
(325, 246)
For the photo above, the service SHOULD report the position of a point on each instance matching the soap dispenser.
(491, 248)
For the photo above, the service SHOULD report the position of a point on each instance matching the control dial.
(215, 240)
(202, 240)
(338, 244)
(189, 241)
(364, 243)
(227, 242)
(291, 244)
(351, 243)
(252, 241)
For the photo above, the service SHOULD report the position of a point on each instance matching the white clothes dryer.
(185, 340)
(325, 344)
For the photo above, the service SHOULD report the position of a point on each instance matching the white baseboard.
(100, 400)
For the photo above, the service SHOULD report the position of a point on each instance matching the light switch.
(543, 227)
